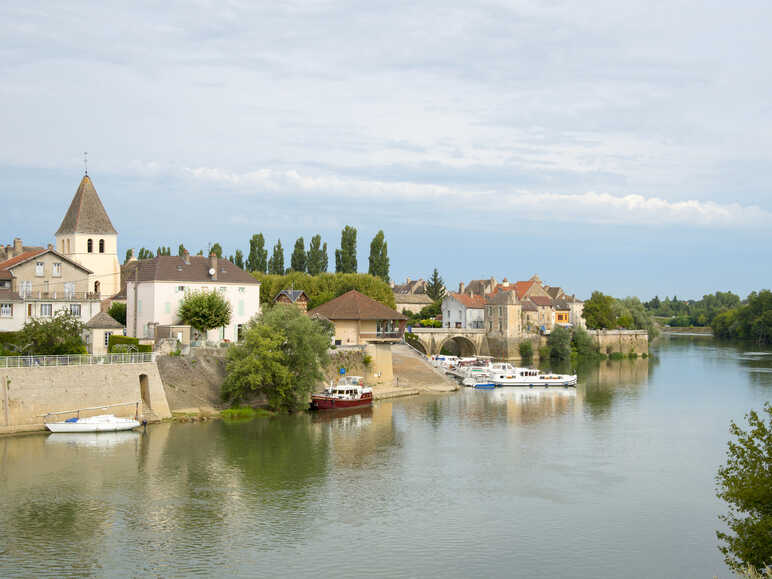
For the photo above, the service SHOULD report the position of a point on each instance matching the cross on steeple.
(85, 161)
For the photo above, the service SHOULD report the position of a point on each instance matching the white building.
(39, 283)
(154, 296)
(463, 311)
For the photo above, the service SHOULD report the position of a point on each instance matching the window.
(241, 290)
(69, 290)
(221, 289)
(168, 307)
(68, 246)
(56, 269)
(90, 246)
(107, 338)
(5, 284)
(96, 287)
(6, 310)
(239, 332)
(241, 307)
(501, 311)
(26, 288)
(180, 288)
(101, 246)
(39, 268)
(75, 310)
(46, 310)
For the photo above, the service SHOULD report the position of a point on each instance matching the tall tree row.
(298, 259)
(346, 256)
(379, 257)
(316, 261)
(257, 260)
(276, 263)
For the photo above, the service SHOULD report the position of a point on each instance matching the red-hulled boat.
(349, 392)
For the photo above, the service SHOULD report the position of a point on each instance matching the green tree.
(205, 310)
(117, 311)
(298, 258)
(238, 260)
(145, 253)
(317, 257)
(281, 357)
(257, 260)
(55, 336)
(582, 342)
(181, 250)
(128, 255)
(435, 287)
(216, 249)
(346, 256)
(526, 351)
(559, 342)
(379, 257)
(745, 483)
(276, 263)
(598, 311)
(163, 250)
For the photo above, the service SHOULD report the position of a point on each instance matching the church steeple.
(86, 213)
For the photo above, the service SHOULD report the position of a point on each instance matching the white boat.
(530, 377)
(101, 423)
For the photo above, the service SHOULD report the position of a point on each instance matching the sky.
(621, 147)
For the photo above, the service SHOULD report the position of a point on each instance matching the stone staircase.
(148, 414)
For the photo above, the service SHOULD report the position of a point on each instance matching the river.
(615, 479)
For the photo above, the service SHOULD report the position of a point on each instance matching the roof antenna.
(85, 161)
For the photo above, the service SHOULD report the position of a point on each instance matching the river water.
(615, 479)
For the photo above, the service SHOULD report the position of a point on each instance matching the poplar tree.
(379, 257)
(317, 257)
(298, 259)
(258, 254)
(181, 250)
(216, 249)
(346, 256)
(325, 257)
(276, 263)
(238, 259)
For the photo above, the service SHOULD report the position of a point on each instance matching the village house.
(461, 310)
(160, 284)
(411, 296)
(38, 284)
(361, 321)
(292, 297)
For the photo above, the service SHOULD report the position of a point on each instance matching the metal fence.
(74, 360)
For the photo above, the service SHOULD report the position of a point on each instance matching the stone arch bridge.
(461, 341)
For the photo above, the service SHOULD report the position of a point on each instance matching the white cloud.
(588, 207)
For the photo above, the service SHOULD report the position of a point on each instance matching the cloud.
(588, 207)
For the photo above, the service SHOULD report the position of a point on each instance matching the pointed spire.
(86, 213)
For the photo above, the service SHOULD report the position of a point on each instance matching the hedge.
(116, 340)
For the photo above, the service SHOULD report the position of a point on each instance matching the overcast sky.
(620, 146)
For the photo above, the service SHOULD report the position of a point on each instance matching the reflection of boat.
(349, 392)
(101, 423)
(335, 414)
(527, 394)
(96, 439)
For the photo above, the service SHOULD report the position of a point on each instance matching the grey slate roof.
(86, 213)
(104, 321)
(174, 268)
(292, 294)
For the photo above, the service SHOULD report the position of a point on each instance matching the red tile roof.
(523, 286)
(21, 257)
(475, 301)
(356, 306)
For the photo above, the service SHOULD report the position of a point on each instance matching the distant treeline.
(699, 313)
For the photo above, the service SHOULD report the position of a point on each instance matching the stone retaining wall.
(27, 393)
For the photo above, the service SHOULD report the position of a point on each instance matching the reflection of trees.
(600, 382)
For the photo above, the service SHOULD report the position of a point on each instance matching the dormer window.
(90, 246)
(101, 246)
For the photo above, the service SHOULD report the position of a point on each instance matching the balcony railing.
(74, 360)
(380, 335)
(58, 296)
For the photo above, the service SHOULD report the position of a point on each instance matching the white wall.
(158, 302)
(88, 309)
(454, 311)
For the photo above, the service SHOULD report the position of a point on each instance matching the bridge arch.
(458, 346)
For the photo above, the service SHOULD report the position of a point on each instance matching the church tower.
(87, 236)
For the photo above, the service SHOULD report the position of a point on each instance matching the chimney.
(493, 284)
(50, 246)
(461, 287)
(408, 280)
(213, 266)
(505, 282)
(132, 257)
(186, 257)
(18, 249)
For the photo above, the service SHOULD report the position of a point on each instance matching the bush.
(584, 345)
(544, 352)
(526, 350)
(616, 356)
(117, 312)
(56, 336)
(117, 344)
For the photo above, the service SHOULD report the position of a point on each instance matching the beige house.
(413, 303)
(37, 284)
(98, 331)
(88, 237)
(361, 321)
